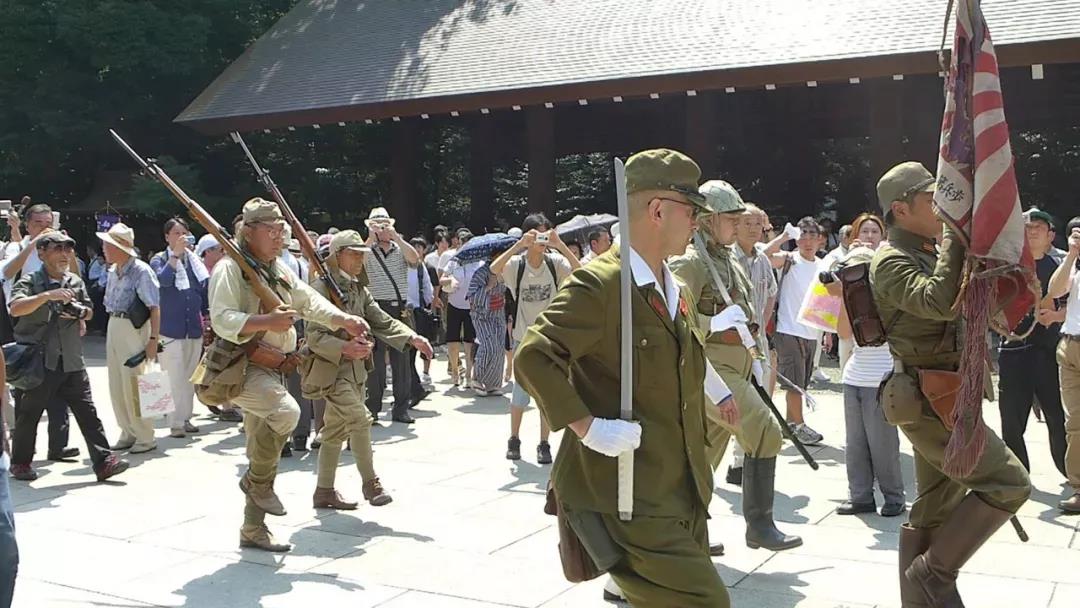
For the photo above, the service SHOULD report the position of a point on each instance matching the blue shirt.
(181, 310)
(134, 276)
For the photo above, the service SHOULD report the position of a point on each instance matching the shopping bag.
(154, 396)
(819, 309)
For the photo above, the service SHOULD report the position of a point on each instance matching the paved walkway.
(465, 529)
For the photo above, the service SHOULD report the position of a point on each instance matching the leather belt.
(120, 315)
(731, 336)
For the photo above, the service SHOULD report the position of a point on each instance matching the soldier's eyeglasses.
(62, 247)
(695, 211)
(275, 230)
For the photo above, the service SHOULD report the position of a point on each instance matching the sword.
(626, 342)
(748, 339)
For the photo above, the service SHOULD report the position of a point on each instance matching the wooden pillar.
(886, 137)
(700, 136)
(540, 125)
(481, 177)
(403, 176)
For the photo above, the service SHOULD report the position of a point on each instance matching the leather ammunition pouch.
(858, 298)
(266, 356)
(940, 388)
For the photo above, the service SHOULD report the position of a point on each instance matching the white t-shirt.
(867, 366)
(463, 275)
(792, 291)
(1071, 326)
(431, 260)
(32, 264)
(537, 288)
(444, 260)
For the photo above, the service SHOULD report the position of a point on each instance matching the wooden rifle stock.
(269, 300)
(307, 246)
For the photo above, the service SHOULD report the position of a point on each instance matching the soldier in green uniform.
(915, 288)
(336, 370)
(237, 317)
(570, 362)
(758, 432)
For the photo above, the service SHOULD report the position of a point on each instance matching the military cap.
(1038, 214)
(902, 182)
(53, 236)
(261, 210)
(721, 197)
(348, 239)
(664, 169)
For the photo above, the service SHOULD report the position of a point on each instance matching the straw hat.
(121, 236)
(379, 215)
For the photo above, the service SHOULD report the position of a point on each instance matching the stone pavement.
(465, 529)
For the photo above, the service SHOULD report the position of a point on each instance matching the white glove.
(612, 437)
(792, 232)
(759, 372)
(726, 319)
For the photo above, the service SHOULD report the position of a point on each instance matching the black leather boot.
(759, 491)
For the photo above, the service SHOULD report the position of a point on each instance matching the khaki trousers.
(666, 562)
(270, 415)
(122, 341)
(999, 479)
(346, 417)
(1068, 357)
(758, 432)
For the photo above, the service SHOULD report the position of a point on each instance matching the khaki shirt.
(569, 362)
(915, 289)
(326, 343)
(693, 271)
(233, 302)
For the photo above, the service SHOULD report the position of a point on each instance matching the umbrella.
(579, 226)
(483, 246)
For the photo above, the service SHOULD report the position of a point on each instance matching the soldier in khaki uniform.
(758, 432)
(270, 413)
(336, 370)
(570, 362)
(915, 287)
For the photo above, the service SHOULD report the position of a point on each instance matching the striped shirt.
(867, 366)
(381, 286)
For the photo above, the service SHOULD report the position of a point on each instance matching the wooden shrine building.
(539, 79)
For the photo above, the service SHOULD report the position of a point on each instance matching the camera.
(73, 309)
(827, 276)
(543, 237)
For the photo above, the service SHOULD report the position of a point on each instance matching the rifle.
(301, 235)
(259, 283)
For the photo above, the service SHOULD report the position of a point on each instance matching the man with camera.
(388, 267)
(49, 305)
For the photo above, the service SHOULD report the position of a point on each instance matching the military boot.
(329, 498)
(759, 491)
(913, 542)
(934, 572)
(260, 538)
(263, 496)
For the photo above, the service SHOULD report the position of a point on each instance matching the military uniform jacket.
(692, 269)
(323, 365)
(569, 361)
(915, 290)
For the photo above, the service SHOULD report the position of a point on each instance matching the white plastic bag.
(155, 399)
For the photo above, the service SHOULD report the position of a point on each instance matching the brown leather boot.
(913, 542)
(328, 498)
(260, 538)
(375, 494)
(935, 571)
(263, 496)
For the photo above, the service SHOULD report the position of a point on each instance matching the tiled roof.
(350, 59)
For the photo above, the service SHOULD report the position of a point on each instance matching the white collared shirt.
(715, 388)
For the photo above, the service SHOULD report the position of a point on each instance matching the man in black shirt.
(1029, 366)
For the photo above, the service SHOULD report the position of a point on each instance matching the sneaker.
(513, 449)
(543, 453)
(177, 433)
(23, 472)
(231, 415)
(1070, 505)
(425, 379)
(64, 454)
(807, 435)
(111, 467)
(190, 428)
(820, 376)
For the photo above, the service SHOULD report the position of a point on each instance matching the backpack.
(770, 329)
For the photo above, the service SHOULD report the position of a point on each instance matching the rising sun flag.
(977, 195)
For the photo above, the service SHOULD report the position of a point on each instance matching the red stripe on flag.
(989, 142)
(986, 101)
(986, 62)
